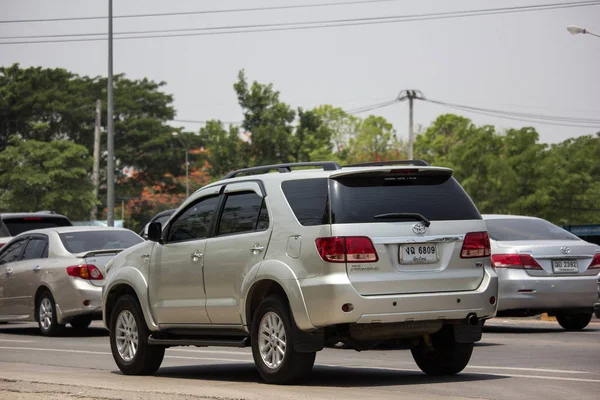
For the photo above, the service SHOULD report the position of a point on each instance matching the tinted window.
(36, 248)
(510, 229)
(80, 242)
(308, 200)
(194, 223)
(241, 214)
(12, 252)
(20, 225)
(359, 198)
(162, 219)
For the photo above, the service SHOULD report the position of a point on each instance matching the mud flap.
(308, 342)
(465, 333)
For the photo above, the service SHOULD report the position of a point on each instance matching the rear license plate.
(418, 254)
(562, 266)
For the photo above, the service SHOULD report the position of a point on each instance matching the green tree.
(312, 139)
(342, 125)
(267, 119)
(375, 141)
(225, 150)
(46, 176)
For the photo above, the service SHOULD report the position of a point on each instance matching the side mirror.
(154, 231)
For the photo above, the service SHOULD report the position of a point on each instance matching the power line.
(290, 26)
(172, 14)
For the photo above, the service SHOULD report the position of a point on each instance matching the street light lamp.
(187, 164)
(574, 30)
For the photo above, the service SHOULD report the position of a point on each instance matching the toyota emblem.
(419, 228)
(565, 250)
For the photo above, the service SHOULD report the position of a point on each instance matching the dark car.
(12, 224)
(161, 217)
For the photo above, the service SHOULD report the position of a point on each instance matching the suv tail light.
(476, 244)
(85, 271)
(595, 264)
(515, 261)
(355, 249)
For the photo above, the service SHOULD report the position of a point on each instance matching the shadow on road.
(28, 330)
(321, 375)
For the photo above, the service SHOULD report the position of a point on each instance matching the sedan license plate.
(418, 254)
(562, 266)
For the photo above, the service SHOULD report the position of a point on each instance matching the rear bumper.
(71, 297)
(518, 290)
(325, 295)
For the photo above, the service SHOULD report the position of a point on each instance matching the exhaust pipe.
(472, 319)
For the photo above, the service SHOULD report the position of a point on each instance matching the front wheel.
(444, 356)
(129, 339)
(574, 321)
(273, 349)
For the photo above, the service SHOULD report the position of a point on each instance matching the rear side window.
(16, 226)
(80, 242)
(515, 229)
(308, 199)
(36, 248)
(243, 212)
(438, 197)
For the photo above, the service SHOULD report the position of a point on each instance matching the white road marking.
(556, 378)
(556, 371)
(17, 341)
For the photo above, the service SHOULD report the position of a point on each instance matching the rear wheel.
(80, 323)
(129, 339)
(47, 320)
(444, 356)
(574, 321)
(273, 349)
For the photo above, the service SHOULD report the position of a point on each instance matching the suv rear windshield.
(359, 198)
(79, 242)
(19, 225)
(516, 229)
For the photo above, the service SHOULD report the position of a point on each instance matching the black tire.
(294, 366)
(80, 323)
(445, 356)
(574, 321)
(146, 358)
(46, 315)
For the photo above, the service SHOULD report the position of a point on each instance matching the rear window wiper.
(415, 216)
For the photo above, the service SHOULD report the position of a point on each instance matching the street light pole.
(187, 164)
(574, 30)
(110, 144)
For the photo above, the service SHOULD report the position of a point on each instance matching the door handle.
(257, 248)
(8, 271)
(196, 256)
(37, 268)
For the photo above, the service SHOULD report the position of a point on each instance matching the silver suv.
(289, 262)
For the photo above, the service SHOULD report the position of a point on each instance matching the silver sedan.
(543, 269)
(54, 276)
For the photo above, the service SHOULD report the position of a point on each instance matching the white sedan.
(54, 276)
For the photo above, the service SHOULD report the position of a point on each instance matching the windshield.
(79, 242)
(515, 229)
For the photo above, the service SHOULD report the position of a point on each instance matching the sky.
(525, 62)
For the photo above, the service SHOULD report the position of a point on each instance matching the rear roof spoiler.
(91, 253)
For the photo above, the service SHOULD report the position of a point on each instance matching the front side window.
(243, 212)
(194, 223)
(12, 252)
(36, 248)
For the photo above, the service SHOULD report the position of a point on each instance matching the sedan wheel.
(47, 320)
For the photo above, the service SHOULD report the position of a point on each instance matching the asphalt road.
(517, 359)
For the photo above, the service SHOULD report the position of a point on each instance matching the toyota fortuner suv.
(287, 259)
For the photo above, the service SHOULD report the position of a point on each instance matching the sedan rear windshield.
(517, 229)
(16, 226)
(79, 242)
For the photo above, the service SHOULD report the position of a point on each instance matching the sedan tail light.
(515, 261)
(85, 271)
(355, 249)
(595, 264)
(475, 245)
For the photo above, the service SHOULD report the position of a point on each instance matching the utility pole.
(410, 95)
(96, 170)
(110, 144)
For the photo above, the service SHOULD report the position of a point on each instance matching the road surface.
(517, 359)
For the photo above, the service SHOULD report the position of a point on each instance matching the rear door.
(412, 257)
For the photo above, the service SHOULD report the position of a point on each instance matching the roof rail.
(420, 163)
(326, 165)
